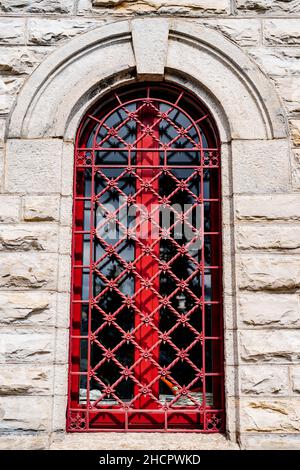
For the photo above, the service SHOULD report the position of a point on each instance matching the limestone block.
(33, 270)
(9, 87)
(268, 6)
(279, 61)
(24, 442)
(264, 380)
(295, 378)
(245, 32)
(25, 413)
(269, 310)
(63, 310)
(64, 273)
(2, 131)
(44, 31)
(30, 380)
(26, 346)
(150, 61)
(295, 131)
(41, 208)
(281, 32)
(259, 346)
(33, 165)
(260, 166)
(285, 207)
(12, 31)
(26, 237)
(1, 168)
(269, 272)
(66, 205)
(9, 208)
(67, 169)
(269, 441)
(167, 6)
(32, 6)
(27, 308)
(65, 235)
(21, 60)
(289, 90)
(280, 415)
(295, 169)
(62, 346)
(268, 237)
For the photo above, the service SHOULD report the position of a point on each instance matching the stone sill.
(141, 441)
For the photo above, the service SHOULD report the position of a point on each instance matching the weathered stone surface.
(269, 272)
(24, 442)
(9, 87)
(268, 207)
(289, 90)
(65, 235)
(32, 6)
(1, 168)
(269, 310)
(281, 32)
(269, 441)
(12, 31)
(33, 165)
(277, 62)
(295, 378)
(268, 237)
(21, 60)
(30, 380)
(33, 270)
(268, 6)
(280, 415)
(278, 346)
(42, 31)
(295, 164)
(26, 346)
(242, 31)
(167, 6)
(150, 62)
(29, 237)
(41, 208)
(295, 131)
(9, 208)
(25, 413)
(2, 131)
(27, 308)
(66, 204)
(264, 380)
(251, 171)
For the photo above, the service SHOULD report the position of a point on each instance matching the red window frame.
(148, 160)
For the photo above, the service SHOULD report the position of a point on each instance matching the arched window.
(146, 348)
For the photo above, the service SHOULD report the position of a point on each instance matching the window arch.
(146, 347)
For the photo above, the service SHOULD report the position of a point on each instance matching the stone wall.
(261, 231)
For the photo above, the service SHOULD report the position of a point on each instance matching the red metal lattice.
(146, 348)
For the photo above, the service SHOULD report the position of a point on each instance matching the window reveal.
(146, 348)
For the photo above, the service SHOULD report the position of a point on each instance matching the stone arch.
(89, 64)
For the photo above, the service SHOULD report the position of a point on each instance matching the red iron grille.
(146, 338)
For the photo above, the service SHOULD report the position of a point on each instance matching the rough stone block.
(260, 166)
(268, 237)
(31, 237)
(272, 273)
(296, 169)
(41, 208)
(295, 131)
(269, 310)
(295, 379)
(279, 61)
(31, 270)
(21, 60)
(282, 32)
(32, 6)
(268, 6)
(9, 209)
(285, 207)
(167, 6)
(264, 380)
(27, 308)
(30, 380)
(24, 442)
(263, 415)
(33, 165)
(26, 346)
(269, 441)
(25, 414)
(44, 31)
(289, 90)
(259, 346)
(242, 31)
(12, 31)
(65, 235)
